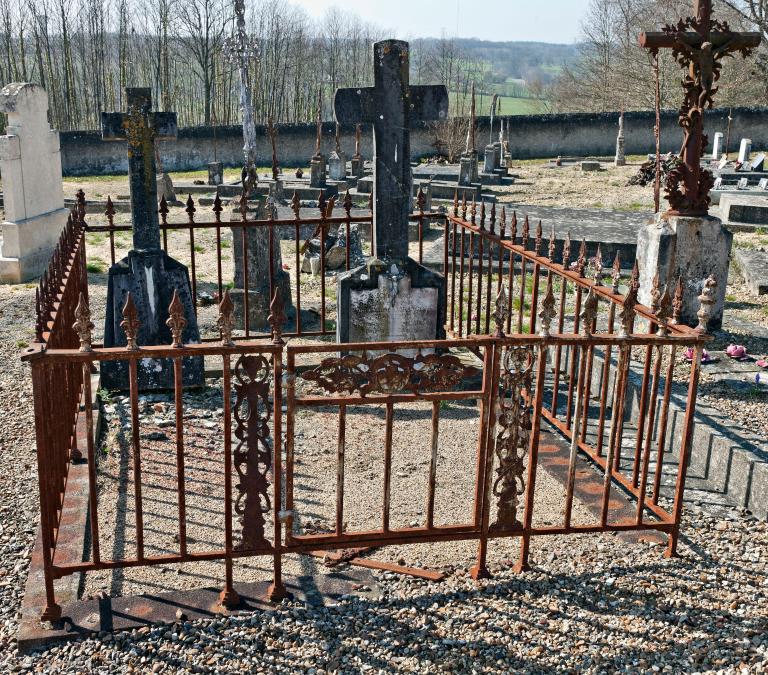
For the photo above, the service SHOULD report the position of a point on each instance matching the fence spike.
(551, 249)
(655, 292)
(321, 203)
(537, 241)
(226, 319)
(464, 205)
(526, 233)
(83, 325)
(163, 210)
(707, 300)
(482, 214)
(191, 209)
(276, 317)
(627, 314)
(663, 313)
(513, 227)
(348, 203)
(296, 205)
(589, 313)
(616, 274)
(501, 311)
(176, 321)
(473, 211)
(548, 311)
(109, 212)
(503, 223)
(635, 276)
(218, 207)
(421, 200)
(677, 301)
(456, 203)
(493, 218)
(130, 323)
(329, 207)
(598, 276)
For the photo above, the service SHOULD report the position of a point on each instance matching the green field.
(510, 105)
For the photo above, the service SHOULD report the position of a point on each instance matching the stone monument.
(620, 158)
(685, 242)
(148, 273)
(337, 161)
(317, 175)
(468, 172)
(745, 150)
(391, 297)
(215, 173)
(717, 145)
(357, 163)
(30, 164)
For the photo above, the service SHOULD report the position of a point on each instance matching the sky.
(498, 20)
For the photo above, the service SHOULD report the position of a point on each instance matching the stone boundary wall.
(530, 136)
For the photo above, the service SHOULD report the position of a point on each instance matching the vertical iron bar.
(387, 466)
(133, 384)
(433, 465)
(340, 469)
(178, 393)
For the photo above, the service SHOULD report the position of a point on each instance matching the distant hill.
(514, 60)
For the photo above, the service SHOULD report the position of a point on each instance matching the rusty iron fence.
(548, 354)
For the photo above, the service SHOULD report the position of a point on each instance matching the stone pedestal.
(377, 302)
(151, 278)
(337, 166)
(745, 150)
(215, 173)
(259, 297)
(317, 176)
(693, 248)
(357, 167)
(30, 164)
(468, 173)
(620, 158)
(491, 158)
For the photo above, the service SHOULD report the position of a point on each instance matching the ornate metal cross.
(391, 105)
(141, 127)
(698, 43)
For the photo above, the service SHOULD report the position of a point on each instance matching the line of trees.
(613, 71)
(85, 52)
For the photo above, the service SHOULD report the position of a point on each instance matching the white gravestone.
(717, 146)
(745, 150)
(758, 163)
(30, 164)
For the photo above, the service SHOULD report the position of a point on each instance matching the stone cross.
(391, 105)
(699, 44)
(141, 127)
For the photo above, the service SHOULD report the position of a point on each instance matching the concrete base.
(378, 302)
(26, 246)
(693, 248)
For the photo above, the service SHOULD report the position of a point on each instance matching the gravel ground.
(591, 604)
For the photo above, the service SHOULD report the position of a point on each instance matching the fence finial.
(218, 207)
(598, 276)
(616, 273)
(663, 313)
(176, 321)
(707, 300)
(551, 249)
(226, 319)
(581, 261)
(130, 323)
(537, 241)
(567, 251)
(526, 232)
(547, 312)
(296, 205)
(276, 317)
(589, 313)
(627, 314)
(655, 292)
(677, 301)
(83, 325)
(500, 312)
(503, 223)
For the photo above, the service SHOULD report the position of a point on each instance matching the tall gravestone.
(30, 164)
(468, 171)
(391, 297)
(745, 150)
(717, 145)
(148, 273)
(620, 158)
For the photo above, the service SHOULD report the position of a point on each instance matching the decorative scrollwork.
(176, 321)
(130, 323)
(83, 325)
(513, 437)
(389, 374)
(252, 458)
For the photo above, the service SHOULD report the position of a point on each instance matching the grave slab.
(744, 208)
(753, 266)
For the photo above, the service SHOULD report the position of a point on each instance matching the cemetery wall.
(531, 136)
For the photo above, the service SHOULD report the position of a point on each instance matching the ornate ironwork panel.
(514, 432)
(252, 458)
(389, 374)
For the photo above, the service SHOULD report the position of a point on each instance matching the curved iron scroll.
(513, 437)
(389, 373)
(252, 457)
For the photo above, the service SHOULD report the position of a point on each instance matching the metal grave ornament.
(152, 278)
(391, 297)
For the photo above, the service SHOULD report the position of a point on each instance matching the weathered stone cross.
(698, 43)
(141, 127)
(391, 105)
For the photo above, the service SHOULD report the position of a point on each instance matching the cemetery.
(328, 401)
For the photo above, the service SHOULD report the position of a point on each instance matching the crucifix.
(141, 127)
(148, 274)
(391, 105)
(698, 43)
(272, 133)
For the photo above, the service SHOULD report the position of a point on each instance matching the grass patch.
(198, 248)
(96, 266)
(22, 344)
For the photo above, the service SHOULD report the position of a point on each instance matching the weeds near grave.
(198, 248)
(731, 298)
(225, 243)
(22, 344)
(96, 266)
